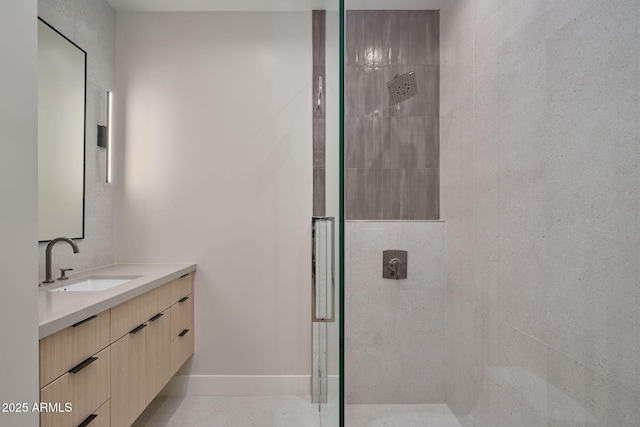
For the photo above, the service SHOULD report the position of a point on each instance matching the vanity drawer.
(181, 315)
(181, 348)
(181, 287)
(131, 314)
(65, 349)
(86, 389)
(102, 416)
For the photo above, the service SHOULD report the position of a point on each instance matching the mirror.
(62, 69)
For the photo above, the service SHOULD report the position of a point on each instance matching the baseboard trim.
(238, 385)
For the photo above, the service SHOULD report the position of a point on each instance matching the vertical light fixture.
(109, 132)
(105, 135)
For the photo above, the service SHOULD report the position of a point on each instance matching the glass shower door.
(328, 248)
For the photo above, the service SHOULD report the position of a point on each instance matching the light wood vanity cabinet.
(122, 358)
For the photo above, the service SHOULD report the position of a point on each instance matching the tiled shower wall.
(318, 113)
(395, 329)
(391, 151)
(540, 189)
(395, 342)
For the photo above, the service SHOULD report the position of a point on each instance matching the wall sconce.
(104, 134)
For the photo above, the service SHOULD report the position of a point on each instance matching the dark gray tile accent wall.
(318, 28)
(391, 152)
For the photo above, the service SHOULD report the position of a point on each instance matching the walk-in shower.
(395, 328)
(496, 142)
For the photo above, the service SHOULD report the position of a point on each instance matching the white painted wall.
(18, 211)
(213, 149)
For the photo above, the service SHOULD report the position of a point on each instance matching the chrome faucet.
(47, 267)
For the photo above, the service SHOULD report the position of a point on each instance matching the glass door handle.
(322, 269)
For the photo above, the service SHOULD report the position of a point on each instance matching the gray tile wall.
(540, 113)
(395, 337)
(318, 113)
(91, 24)
(391, 152)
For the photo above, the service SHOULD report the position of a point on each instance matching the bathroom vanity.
(108, 353)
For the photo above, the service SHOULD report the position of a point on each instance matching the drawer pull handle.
(84, 321)
(183, 333)
(183, 299)
(138, 329)
(88, 420)
(82, 365)
(184, 275)
(156, 317)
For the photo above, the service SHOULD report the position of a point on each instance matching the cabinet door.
(158, 354)
(128, 360)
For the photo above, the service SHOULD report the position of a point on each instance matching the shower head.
(402, 87)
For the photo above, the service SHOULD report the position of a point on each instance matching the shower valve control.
(394, 264)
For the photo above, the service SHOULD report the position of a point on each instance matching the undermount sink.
(95, 283)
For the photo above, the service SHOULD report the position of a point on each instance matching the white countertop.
(58, 310)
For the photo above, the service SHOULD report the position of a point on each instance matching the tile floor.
(223, 411)
(400, 416)
(283, 411)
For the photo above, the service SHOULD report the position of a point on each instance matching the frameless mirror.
(61, 133)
